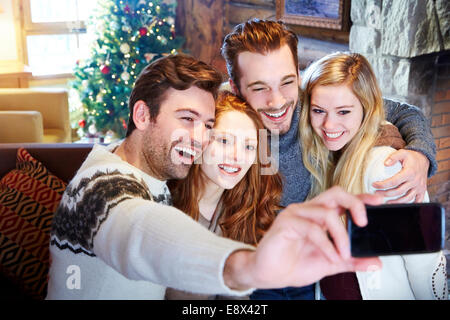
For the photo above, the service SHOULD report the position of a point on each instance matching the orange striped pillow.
(29, 196)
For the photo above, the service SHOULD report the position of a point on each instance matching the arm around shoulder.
(414, 128)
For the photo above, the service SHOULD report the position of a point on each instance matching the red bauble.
(124, 124)
(82, 123)
(143, 31)
(105, 69)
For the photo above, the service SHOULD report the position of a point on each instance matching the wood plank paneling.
(202, 24)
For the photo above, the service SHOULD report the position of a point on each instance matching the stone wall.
(400, 39)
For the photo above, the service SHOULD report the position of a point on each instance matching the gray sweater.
(409, 119)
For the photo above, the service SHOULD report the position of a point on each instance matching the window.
(54, 34)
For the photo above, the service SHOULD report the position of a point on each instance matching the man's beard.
(159, 161)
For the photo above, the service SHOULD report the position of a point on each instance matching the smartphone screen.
(399, 229)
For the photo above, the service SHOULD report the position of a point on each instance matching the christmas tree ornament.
(105, 69)
(82, 123)
(92, 129)
(125, 48)
(143, 31)
(125, 76)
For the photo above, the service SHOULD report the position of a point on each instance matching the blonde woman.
(345, 142)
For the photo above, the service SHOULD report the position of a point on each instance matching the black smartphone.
(398, 229)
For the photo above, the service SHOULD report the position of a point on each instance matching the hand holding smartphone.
(399, 229)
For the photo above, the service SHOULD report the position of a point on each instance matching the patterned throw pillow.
(29, 196)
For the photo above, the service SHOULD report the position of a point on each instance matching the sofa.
(34, 116)
(30, 177)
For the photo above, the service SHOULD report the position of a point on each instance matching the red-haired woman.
(230, 192)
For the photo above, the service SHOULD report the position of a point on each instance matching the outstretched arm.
(418, 157)
(296, 250)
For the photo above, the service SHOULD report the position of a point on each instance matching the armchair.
(34, 115)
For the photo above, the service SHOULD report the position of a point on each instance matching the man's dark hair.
(179, 72)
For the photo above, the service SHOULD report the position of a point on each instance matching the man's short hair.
(179, 72)
(257, 36)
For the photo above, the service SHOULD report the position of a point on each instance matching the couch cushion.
(54, 136)
(29, 196)
(21, 126)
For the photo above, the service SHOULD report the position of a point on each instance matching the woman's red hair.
(250, 207)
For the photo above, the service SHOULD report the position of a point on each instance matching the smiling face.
(269, 83)
(232, 150)
(336, 114)
(179, 133)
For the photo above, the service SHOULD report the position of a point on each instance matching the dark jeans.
(289, 293)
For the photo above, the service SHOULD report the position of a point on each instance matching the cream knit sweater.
(115, 236)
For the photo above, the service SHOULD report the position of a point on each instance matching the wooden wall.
(204, 24)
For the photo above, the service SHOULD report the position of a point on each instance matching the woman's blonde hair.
(345, 167)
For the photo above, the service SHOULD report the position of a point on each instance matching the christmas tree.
(129, 34)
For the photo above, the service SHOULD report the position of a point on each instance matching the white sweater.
(415, 276)
(115, 236)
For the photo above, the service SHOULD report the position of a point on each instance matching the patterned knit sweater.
(115, 236)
